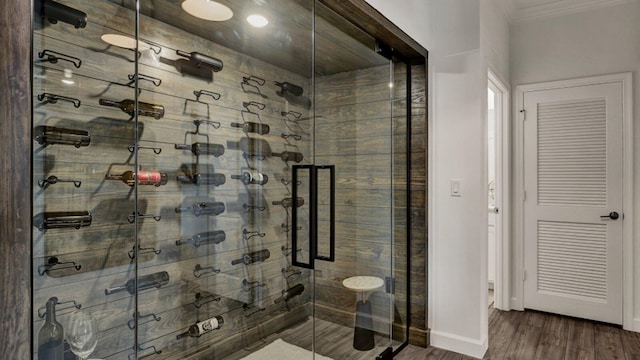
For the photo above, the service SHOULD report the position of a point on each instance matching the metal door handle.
(612, 215)
(493, 209)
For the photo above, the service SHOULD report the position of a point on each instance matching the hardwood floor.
(334, 341)
(531, 335)
(513, 335)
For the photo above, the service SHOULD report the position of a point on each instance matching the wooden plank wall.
(15, 208)
(102, 248)
(417, 251)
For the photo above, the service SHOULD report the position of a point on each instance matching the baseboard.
(635, 325)
(467, 346)
(419, 337)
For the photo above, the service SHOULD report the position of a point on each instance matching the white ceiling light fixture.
(207, 10)
(257, 20)
(123, 41)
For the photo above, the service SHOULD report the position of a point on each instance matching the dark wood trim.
(15, 179)
(371, 21)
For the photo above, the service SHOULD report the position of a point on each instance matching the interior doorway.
(497, 189)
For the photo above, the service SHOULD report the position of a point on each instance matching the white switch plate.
(456, 188)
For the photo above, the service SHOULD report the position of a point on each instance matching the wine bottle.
(290, 293)
(287, 202)
(209, 237)
(253, 257)
(252, 127)
(202, 327)
(204, 208)
(199, 59)
(144, 178)
(289, 88)
(144, 282)
(144, 109)
(63, 219)
(252, 177)
(50, 336)
(203, 179)
(202, 148)
(54, 12)
(49, 135)
(289, 156)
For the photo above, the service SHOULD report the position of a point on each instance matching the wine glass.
(82, 334)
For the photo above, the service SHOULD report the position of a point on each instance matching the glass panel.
(244, 91)
(164, 145)
(353, 131)
(83, 239)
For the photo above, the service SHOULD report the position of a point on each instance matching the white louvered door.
(573, 177)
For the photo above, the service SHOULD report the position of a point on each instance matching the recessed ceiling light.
(124, 41)
(207, 10)
(257, 20)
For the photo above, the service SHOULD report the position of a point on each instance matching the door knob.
(612, 215)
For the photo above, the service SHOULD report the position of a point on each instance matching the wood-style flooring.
(531, 335)
(333, 340)
(513, 335)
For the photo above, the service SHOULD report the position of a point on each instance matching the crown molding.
(560, 8)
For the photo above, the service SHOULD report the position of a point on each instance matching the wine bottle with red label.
(155, 178)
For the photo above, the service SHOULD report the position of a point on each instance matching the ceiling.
(523, 10)
(286, 42)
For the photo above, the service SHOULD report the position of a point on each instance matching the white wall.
(457, 246)
(596, 42)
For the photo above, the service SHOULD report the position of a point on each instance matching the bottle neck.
(51, 312)
(107, 102)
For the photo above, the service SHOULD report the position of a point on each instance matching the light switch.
(456, 188)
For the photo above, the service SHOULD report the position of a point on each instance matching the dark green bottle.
(50, 336)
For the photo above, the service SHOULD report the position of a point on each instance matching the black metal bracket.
(54, 56)
(286, 182)
(55, 262)
(42, 311)
(214, 95)
(290, 272)
(286, 250)
(205, 298)
(132, 218)
(154, 80)
(198, 270)
(156, 150)
(132, 323)
(246, 234)
(295, 137)
(248, 104)
(248, 285)
(198, 123)
(141, 250)
(141, 348)
(387, 354)
(44, 183)
(291, 115)
(48, 98)
(251, 85)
